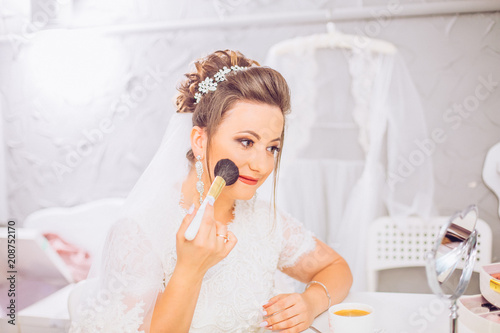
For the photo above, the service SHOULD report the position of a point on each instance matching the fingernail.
(264, 313)
(263, 324)
(191, 209)
(211, 200)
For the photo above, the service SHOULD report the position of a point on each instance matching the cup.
(351, 318)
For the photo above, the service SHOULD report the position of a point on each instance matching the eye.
(274, 149)
(246, 142)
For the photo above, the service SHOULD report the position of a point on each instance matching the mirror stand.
(453, 316)
(455, 244)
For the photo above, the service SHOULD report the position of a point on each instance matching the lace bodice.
(232, 292)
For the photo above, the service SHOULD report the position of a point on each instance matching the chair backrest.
(74, 298)
(491, 171)
(403, 242)
(85, 225)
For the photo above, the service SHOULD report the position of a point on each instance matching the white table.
(400, 313)
(395, 312)
(49, 315)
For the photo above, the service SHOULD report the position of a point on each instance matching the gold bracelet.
(324, 287)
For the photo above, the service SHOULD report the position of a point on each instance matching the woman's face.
(249, 135)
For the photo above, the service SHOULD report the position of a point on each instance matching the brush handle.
(213, 194)
(195, 224)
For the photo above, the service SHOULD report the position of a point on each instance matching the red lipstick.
(248, 180)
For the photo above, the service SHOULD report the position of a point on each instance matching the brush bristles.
(226, 169)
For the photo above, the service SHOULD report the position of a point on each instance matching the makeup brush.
(226, 173)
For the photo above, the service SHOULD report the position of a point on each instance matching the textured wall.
(84, 114)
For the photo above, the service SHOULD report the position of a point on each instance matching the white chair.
(491, 171)
(74, 298)
(403, 242)
(85, 225)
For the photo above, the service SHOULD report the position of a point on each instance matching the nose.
(259, 161)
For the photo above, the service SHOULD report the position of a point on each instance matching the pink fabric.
(77, 259)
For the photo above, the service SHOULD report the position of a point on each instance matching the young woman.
(152, 279)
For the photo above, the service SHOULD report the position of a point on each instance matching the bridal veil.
(121, 289)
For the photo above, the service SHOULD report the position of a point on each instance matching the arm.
(324, 265)
(174, 308)
(296, 312)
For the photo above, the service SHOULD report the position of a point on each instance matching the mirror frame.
(469, 250)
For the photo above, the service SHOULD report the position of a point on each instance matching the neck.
(223, 206)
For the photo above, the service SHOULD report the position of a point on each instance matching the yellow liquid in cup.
(351, 313)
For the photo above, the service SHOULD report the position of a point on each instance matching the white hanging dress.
(353, 141)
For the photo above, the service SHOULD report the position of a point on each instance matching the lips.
(248, 180)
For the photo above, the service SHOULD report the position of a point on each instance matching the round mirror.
(451, 261)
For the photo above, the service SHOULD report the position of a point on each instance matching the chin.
(245, 194)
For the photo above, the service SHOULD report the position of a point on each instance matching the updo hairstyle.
(255, 84)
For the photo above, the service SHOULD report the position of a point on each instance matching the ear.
(198, 141)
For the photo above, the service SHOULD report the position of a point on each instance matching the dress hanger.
(335, 39)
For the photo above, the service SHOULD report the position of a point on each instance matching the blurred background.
(87, 87)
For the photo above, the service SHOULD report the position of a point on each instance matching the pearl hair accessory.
(210, 84)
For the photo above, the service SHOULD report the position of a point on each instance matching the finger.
(221, 228)
(231, 242)
(290, 317)
(196, 200)
(296, 329)
(274, 300)
(288, 323)
(186, 221)
(196, 203)
(207, 227)
(220, 233)
(282, 304)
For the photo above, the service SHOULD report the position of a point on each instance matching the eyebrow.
(258, 136)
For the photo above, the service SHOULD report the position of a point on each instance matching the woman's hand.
(207, 248)
(288, 312)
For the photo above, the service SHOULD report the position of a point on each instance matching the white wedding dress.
(233, 291)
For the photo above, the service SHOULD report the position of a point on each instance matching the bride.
(151, 279)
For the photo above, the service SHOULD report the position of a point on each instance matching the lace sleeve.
(296, 241)
(121, 297)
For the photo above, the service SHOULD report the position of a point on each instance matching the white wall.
(84, 114)
(4, 212)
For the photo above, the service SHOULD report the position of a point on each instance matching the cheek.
(238, 157)
(225, 149)
(269, 167)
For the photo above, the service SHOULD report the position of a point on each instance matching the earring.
(200, 187)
